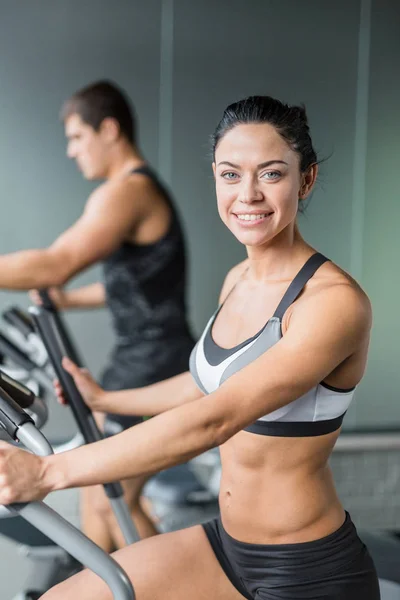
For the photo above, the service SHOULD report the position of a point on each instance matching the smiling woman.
(286, 177)
(270, 381)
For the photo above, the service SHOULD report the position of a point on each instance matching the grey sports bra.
(318, 412)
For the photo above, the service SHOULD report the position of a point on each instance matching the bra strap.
(143, 170)
(298, 283)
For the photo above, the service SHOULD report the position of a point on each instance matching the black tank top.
(145, 284)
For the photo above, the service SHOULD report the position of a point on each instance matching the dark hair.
(100, 100)
(290, 122)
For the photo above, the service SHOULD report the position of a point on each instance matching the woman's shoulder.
(334, 291)
(331, 277)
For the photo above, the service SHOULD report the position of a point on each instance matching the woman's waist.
(281, 508)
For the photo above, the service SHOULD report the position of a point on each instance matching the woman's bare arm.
(153, 399)
(323, 332)
(145, 401)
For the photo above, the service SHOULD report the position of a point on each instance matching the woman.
(279, 361)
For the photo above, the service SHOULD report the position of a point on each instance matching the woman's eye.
(272, 175)
(229, 175)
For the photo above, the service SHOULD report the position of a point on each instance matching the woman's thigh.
(171, 566)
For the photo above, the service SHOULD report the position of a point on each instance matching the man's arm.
(88, 296)
(107, 220)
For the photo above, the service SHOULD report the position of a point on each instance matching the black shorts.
(336, 567)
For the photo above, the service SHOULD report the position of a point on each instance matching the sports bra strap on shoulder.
(298, 283)
(143, 170)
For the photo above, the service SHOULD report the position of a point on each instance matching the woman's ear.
(307, 181)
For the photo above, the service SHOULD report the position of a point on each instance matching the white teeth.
(251, 217)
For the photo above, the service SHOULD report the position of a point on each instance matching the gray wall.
(300, 62)
(381, 243)
(182, 62)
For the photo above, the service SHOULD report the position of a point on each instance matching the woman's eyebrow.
(260, 166)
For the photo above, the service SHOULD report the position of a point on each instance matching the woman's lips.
(251, 219)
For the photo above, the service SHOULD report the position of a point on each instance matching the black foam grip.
(47, 302)
(22, 395)
(47, 327)
(66, 339)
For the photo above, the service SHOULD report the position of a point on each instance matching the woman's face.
(258, 183)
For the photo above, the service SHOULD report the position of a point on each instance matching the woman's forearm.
(152, 399)
(89, 296)
(169, 439)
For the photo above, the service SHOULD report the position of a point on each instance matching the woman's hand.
(21, 475)
(58, 296)
(90, 391)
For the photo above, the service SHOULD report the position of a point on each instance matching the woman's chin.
(252, 238)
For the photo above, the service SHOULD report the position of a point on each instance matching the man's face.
(86, 146)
